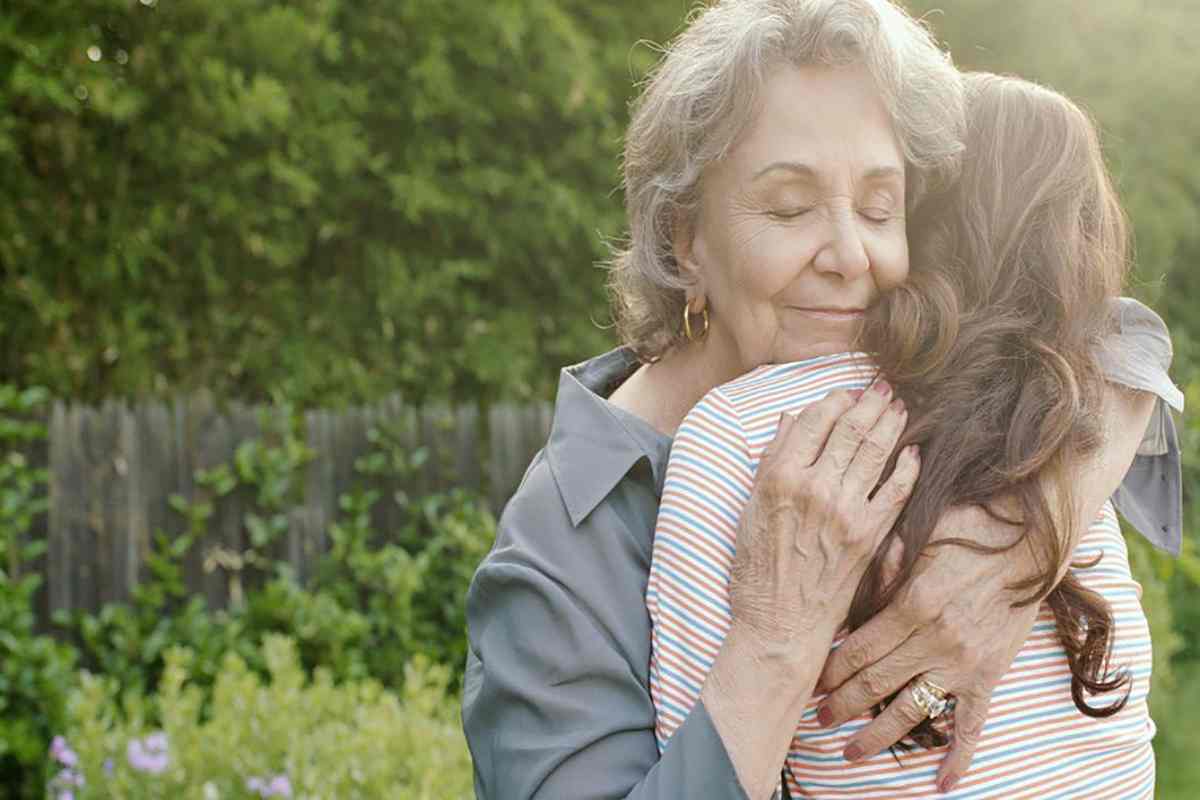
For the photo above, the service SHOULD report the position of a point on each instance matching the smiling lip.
(840, 314)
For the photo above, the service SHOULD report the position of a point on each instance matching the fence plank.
(516, 434)
(67, 506)
(114, 468)
(319, 500)
(155, 476)
(209, 443)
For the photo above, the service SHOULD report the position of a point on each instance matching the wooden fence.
(113, 469)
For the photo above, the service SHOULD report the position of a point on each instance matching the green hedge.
(339, 199)
(333, 199)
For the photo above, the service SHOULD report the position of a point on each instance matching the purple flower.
(149, 754)
(279, 786)
(108, 766)
(70, 777)
(61, 752)
(65, 782)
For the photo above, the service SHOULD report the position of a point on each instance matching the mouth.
(831, 313)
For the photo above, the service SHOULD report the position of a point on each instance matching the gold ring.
(932, 699)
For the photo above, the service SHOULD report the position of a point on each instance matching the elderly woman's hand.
(812, 523)
(952, 623)
(805, 538)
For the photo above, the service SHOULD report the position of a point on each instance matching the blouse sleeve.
(554, 696)
(707, 486)
(1138, 355)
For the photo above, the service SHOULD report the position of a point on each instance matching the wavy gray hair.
(701, 96)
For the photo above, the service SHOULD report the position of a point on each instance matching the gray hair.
(701, 97)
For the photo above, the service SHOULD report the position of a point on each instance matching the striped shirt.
(1036, 743)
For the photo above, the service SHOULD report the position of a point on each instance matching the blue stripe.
(664, 602)
(684, 515)
(707, 469)
(717, 573)
(716, 418)
(679, 680)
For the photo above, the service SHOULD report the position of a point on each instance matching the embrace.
(838, 520)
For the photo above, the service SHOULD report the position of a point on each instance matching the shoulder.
(590, 576)
(818, 375)
(758, 398)
(536, 531)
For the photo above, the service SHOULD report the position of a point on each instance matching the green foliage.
(378, 603)
(129, 641)
(348, 199)
(375, 601)
(349, 740)
(1173, 691)
(1175, 745)
(35, 670)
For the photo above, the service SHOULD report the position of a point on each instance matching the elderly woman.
(797, 230)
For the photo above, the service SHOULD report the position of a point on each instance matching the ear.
(683, 240)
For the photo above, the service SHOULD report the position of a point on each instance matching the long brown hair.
(992, 343)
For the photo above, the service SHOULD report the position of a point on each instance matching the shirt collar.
(593, 444)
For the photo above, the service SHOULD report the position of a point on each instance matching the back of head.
(992, 340)
(1012, 271)
(1034, 211)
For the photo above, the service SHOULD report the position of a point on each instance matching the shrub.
(129, 641)
(282, 736)
(35, 671)
(349, 199)
(377, 598)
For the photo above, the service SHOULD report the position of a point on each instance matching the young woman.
(989, 352)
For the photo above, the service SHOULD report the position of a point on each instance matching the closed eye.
(791, 213)
(878, 215)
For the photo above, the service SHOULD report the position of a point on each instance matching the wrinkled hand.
(811, 525)
(954, 623)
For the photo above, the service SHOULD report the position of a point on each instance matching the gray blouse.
(556, 700)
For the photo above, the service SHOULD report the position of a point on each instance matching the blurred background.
(286, 288)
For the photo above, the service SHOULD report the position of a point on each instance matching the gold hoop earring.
(687, 323)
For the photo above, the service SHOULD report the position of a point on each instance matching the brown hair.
(992, 343)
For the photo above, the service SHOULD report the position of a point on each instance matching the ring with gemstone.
(932, 699)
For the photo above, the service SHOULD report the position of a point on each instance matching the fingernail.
(853, 753)
(898, 406)
(947, 783)
(883, 387)
(856, 393)
(824, 716)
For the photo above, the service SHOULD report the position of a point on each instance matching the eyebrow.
(807, 171)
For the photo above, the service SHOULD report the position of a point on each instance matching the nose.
(843, 253)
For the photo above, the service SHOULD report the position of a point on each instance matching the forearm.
(755, 699)
(1093, 478)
